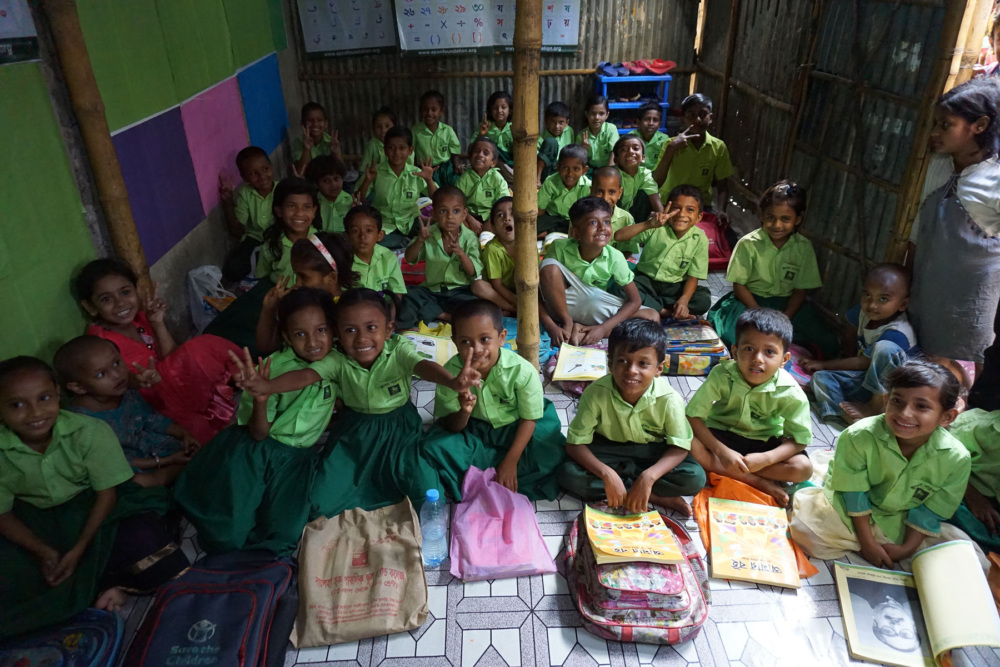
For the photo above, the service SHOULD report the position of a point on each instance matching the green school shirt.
(768, 271)
(658, 415)
(556, 200)
(374, 153)
(333, 212)
(444, 270)
(297, 417)
(381, 389)
(254, 212)
(439, 145)
(498, 264)
(870, 475)
(383, 272)
(620, 218)
(700, 167)
(601, 146)
(322, 148)
(654, 147)
(778, 407)
(671, 260)
(510, 392)
(274, 268)
(502, 138)
(84, 453)
(396, 197)
(633, 185)
(482, 193)
(563, 140)
(979, 431)
(610, 264)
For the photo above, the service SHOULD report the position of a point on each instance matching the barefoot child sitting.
(750, 417)
(629, 441)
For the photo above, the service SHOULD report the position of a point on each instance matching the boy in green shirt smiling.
(377, 266)
(650, 119)
(561, 190)
(640, 194)
(327, 173)
(630, 429)
(247, 210)
(436, 141)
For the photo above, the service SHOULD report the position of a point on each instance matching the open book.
(580, 363)
(432, 348)
(750, 543)
(915, 620)
(632, 537)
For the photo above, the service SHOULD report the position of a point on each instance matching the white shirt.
(978, 189)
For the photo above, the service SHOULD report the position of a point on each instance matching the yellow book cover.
(580, 363)
(750, 543)
(433, 348)
(633, 537)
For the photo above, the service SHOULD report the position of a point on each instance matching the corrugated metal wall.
(352, 88)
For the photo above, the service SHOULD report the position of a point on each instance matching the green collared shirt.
(297, 417)
(979, 431)
(671, 260)
(269, 266)
(633, 185)
(658, 415)
(768, 271)
(601, 146)
(444, 270)
(254, 212)
(699, 167)
(383, 272)
(563, 140)
(502, 138)
(374, 153)
(381, 389)
(322, 148)
(654, 147)
(610, 264)
(510, 392)
(396, 197)
(778, 407)
(83, 454)
(497, 264)
(482, 192)
(555, 199)
(332, 212)
(870, 475)
(620, 218)
(439, 145)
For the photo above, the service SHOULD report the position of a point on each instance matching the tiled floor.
(532, 621)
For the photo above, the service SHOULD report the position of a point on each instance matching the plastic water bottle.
(434, 528)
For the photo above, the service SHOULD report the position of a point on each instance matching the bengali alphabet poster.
(347, 27)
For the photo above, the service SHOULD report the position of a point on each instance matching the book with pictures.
(750, 543)
(617, 538)
(580, 363)
(915, 620)
(433, 348)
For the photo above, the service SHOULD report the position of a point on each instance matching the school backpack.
(720, 248)
(90, 639)
(643, 602)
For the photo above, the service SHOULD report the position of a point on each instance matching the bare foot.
(855, 411)
(770, 488)
(576, 338)
(111, 600)
(676, 503)
(665, 313)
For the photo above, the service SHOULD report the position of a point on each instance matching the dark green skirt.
(238, 322)
(420, 303)
(811, 330)
(975, 528)
(445, 174)
(484, 446)
(370, 461)
(242, 493)
(551, 223)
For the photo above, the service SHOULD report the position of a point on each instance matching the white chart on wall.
(347, 27)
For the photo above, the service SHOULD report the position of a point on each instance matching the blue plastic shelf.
(603, 83)
(634, 78)
(633, 105)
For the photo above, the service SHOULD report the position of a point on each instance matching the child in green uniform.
(435, 141)
(607, 184)
(249, 487)
(383, 120)
(774, 267)
(498, 254)
(979, 514)
(483, 184)
(296, 207)
(894, 478)
(674, 257)
(73, 527)
(575, 276)
(247, 210)
(504, 422)
(640, 194)
(750, 417)
(630, 429)
(376, 266)
(600, 136)
(496, 125)
(556, 136)
(695, 157)
(561, 190)
(327, 173)
(650, 119)
(396, 185)
(315, 139)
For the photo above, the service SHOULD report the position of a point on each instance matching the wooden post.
(89, 109)
(969, 42)
(527, 56)
(734, 19)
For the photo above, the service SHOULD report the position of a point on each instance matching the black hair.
(696, 98)
(93, 272)
(302, 298)
(635, 334)
(249, 153)
(483, 139)
(24, 364)
(692, 191)
(557, 109)
(497, 203)
(585, 205)
(309, 107)
(398, 132)
(914, 373)
(624, 139)
(477, 308)
(307, 255)
(447, 191)
(594, 100)
(784, 192)
(607, 172)
(324, 165)
(879, 271)
(497, 96)
(435, 95)
(765, 321)
(573, 152)
(69, 355)
(363, 210)
(650, 106)
(384, 111)
(293, 185)
(971, 101)
(386, 302)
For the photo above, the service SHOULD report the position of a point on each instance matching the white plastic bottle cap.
(432, 495)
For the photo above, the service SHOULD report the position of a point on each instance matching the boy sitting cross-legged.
(750, 417)
(630, 429)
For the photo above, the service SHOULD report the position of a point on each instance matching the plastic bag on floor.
(206, 295)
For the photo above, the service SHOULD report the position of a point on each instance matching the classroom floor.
(532, 621)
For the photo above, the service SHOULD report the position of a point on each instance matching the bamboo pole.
(699, 42)
(527, 57)
(734, 19)
(969, 42)
(89, 109)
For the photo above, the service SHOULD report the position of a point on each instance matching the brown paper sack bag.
(360, 575)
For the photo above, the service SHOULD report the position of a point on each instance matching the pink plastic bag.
(494, 534)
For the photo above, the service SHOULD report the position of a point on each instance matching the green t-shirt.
(444, 270)
(253, 211)
(269, 266)
(654, 147)
(563, 140)
(322, 148)
(439, 145)
(502, 138)
(497, 264)
(979, 431)
(601, 146)
(610, 264)
(633, 185)
(778, 407)
(555, 199)
(510, 392)
(671, 260)
(396, 197)
(482, 193)
(382, 388)
(383, 272)
(620, 218)
(699, 167)
(768, 271)
(84, 454)
(658, 415)
(297, 417)
(333, 212)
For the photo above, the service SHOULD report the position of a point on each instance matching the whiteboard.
(347, 27)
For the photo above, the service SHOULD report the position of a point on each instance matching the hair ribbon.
(323, 251)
